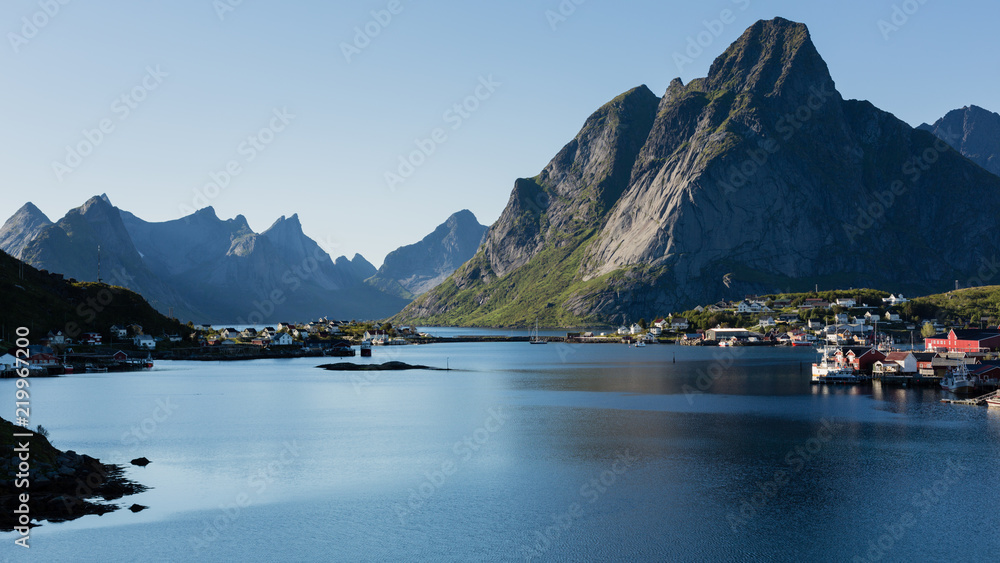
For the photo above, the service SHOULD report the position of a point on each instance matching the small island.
(388, 366)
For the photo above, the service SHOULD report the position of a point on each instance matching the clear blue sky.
(353, 120)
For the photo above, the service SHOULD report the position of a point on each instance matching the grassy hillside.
(42, 301)
(962, 307)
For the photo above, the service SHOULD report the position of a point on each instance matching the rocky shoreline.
(62, 486)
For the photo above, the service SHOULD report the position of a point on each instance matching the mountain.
(70, 247)
(757, 178)
(236, 275)
(972, 131)
(201, 267)
(417, 268)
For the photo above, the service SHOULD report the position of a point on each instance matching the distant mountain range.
(206, 269)
(758, 178)
(974, 132)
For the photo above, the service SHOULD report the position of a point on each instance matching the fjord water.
(559, 452)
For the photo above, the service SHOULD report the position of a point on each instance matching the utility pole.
(98, 263)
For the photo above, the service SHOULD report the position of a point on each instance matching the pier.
(975, 402)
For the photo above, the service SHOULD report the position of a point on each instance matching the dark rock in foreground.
(140, 461)
(62, 485)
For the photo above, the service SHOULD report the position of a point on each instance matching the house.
(91, 338)
(781, 303)
(747, 307)
(846, 302)
(656, 331)
(898, 362)
(174, 337)
(43, 359)
(286, 327)
(788, 318)
(817, 304)
(248, 332)
(230, 333)
(986, 371)
(815, 324)
(635, 329)
(967, 340)
(119, 331)
(263, 341)
(281, 339)
(699, 309)
(841, 318)
(144, 341)
(678, 324)
(925, 362)
(7, 362)
(726, 333)
(892, 317)
(376, 336)
(861, 358)
(661, 323)
(623, 330)
(268, 331)
(872, 319)
(894, 300)
(767, 322)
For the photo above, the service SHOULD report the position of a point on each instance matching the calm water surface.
(557, 452)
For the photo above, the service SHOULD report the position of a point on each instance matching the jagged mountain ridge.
(417, 268)
(974, 132)
(758, 177)
(201, 267)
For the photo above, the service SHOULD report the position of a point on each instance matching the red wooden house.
(967, 340)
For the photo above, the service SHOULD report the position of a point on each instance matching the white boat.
(827, 371)
(534, 338)
(993, 402)
(640, 344)
(959, 380)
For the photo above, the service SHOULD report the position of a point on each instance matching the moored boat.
(959, 380)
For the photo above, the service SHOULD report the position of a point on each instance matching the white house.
(871, 319)
(841, 318)
(893, 317)
(635, 329)
(623, 330)
(846, 302)
(119, 331)
(745, 307)
(895, 300)
(7, 361)
(656, 331)
(767, 322)
(281, 339)
(230, 333)
(145, 341)
(679, 323)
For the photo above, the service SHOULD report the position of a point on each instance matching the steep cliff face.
(422, 266)
(756, 178)
(972, 131)
(22, 228)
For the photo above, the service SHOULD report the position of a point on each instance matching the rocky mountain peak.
(772, 57)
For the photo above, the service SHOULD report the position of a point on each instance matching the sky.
(376, 120)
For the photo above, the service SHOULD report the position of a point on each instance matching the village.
(128, 347)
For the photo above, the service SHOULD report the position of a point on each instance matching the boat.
(640, 344)
(366, 349)
(827, 371)
(959, 380)
(993, 401)
(534, 338)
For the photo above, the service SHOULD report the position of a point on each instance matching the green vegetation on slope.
(42, 301)
(537, 291)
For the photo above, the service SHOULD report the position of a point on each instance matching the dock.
(975, 402)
